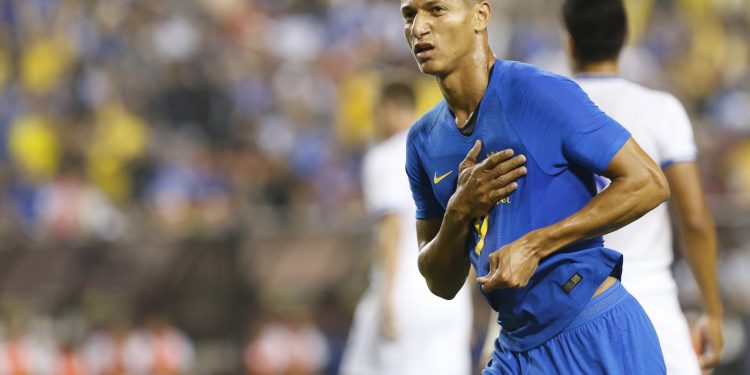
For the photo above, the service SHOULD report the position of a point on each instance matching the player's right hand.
(482, 185)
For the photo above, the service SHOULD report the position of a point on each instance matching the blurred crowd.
(156, 349)
(198, 161)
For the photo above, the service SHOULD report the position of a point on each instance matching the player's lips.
(423, 50)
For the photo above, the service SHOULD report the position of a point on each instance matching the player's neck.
(464, 88)
(607, 67)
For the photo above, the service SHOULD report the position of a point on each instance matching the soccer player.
(597, 31)
(400, 328)
(535, 241)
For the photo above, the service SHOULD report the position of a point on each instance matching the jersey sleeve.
(563, 125)
(427, 204)
(380, 184)
(676, 142)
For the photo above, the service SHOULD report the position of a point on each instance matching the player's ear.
(482, 13)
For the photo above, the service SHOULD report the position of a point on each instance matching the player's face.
(440, 33)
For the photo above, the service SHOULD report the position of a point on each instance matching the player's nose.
(420, 27)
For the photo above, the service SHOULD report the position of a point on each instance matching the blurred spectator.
(70, 207)
(294, 346)
(33, 143)
(171, 351)
(160, 349)
(119, 140)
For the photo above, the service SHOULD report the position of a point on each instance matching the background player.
(401, 328)
(539, 252)
(597, 30)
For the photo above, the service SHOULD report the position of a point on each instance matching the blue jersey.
(567, 140)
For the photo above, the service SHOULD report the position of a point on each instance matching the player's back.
(658, 122)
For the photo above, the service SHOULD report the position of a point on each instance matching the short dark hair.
(598, 28)
(399, 93)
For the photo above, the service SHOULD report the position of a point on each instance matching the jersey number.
(480, 226)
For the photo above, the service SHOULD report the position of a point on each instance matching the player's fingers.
(498, 194)
(491, 272)
(484, 279)
(493, 160)
(494, 282)
(471, 156)
(489, 283)
(510, 177)
(487, 287)
(508, 166)
(494, 262)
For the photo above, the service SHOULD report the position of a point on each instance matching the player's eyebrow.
(407, 8)
(433, 2)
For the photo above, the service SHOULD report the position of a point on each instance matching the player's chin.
(429, 67)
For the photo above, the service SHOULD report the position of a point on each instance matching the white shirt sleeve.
(675, 135)
(382, 184)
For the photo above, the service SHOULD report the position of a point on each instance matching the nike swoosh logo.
(437, 179)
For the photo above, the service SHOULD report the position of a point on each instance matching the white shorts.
(437, 347)
(673, 331)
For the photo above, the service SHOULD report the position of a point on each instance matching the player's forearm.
(387, 242)
(443, 261)
(626, 199)
(697, 231)
(700, 250)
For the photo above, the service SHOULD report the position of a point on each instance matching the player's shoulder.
(518, 80)
(424, 125)
(515, 70)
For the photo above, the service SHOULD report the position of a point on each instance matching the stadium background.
(195, 165)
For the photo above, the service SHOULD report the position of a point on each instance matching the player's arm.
(698, 234)
(443, 258)
(638, 185)
(387, 237)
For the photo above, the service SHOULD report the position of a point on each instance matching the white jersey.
(433, 333)
(660, 125)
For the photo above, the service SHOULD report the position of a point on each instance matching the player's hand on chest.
(481, 185)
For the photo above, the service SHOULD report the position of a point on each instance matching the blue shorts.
(612, 335)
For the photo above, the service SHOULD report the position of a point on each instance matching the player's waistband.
(601, 303)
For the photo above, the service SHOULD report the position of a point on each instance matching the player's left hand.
(708, 341)
(512, 266)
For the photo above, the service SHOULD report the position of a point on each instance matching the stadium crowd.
(195, 164)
